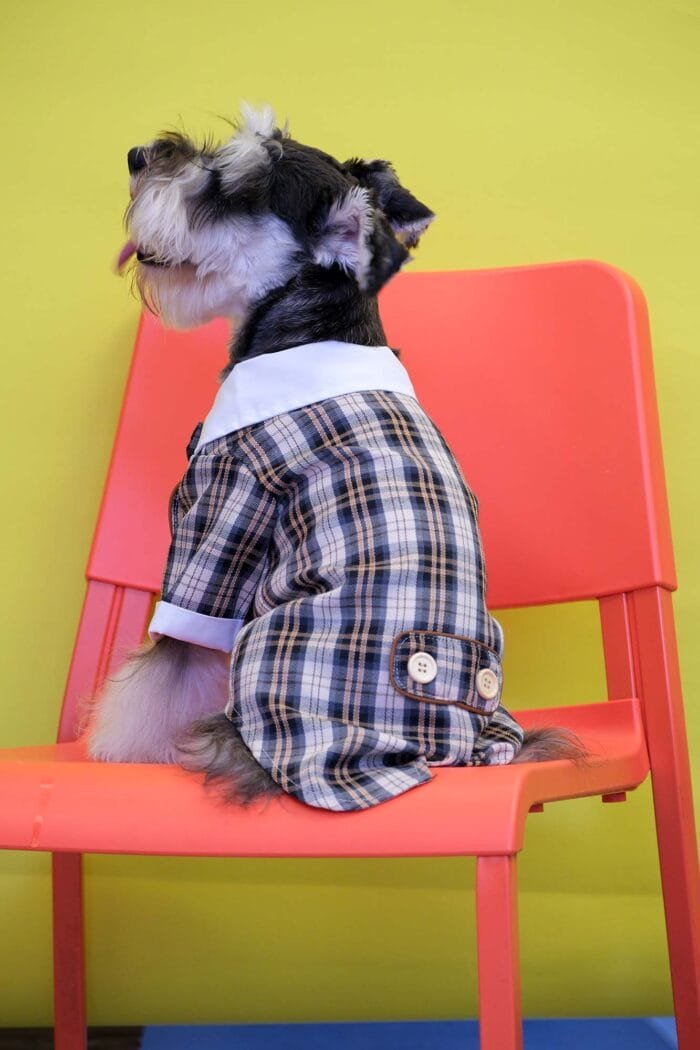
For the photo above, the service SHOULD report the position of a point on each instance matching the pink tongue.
(125, 254)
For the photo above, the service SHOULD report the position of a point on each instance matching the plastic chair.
(541, 380)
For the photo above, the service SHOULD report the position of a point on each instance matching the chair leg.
(500, 1011)
(70, 1021)
(673, 804)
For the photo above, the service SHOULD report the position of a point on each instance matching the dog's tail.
(214, 746)
(548, 744)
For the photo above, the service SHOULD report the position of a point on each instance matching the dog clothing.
(324, 534)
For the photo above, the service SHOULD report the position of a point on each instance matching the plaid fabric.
(342, 538)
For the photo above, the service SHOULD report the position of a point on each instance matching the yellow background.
(537, 130)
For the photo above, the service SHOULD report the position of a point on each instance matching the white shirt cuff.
(212, 632)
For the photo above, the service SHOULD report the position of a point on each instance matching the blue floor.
(656, 1033)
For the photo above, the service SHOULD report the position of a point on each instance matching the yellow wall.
(538, 130)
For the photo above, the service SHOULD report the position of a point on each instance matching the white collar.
(274, 383)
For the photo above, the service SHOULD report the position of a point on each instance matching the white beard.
(228, 266)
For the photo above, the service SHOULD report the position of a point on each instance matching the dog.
(322, 629)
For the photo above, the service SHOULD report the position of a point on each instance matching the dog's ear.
(357, 237)
(407, 216)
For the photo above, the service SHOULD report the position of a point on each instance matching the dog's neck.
(315, 305)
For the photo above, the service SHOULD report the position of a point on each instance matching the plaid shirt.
(325, 534)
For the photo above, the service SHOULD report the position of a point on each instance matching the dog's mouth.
(143, 255)
(150, 260)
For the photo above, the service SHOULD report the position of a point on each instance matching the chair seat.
(55, 798)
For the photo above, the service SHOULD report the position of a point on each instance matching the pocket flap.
(447, 669)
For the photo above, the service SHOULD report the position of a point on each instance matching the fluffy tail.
(546, 745)
(214, 746)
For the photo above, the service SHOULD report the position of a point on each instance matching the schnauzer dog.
(322, 628)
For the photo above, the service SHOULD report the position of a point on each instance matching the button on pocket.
(486, 684)
(444, 668)
(421, 667)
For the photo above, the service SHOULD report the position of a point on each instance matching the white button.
(486, 684)
(422, 667)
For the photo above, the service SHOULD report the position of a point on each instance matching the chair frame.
(637, 629)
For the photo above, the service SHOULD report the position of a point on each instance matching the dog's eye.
(162, 150)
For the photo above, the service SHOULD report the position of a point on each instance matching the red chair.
(541, 379)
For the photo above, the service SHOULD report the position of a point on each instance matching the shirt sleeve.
(221, 521)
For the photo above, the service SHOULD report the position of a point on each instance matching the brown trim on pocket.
(444, 634)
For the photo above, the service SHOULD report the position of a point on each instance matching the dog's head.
(215, 228)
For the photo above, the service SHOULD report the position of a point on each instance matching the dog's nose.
(136, 159)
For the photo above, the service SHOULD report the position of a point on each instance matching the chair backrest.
(541, 380)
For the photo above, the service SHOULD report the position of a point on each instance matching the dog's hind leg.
(214, 746)
(148, 703)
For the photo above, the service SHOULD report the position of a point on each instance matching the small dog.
(323, 628)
